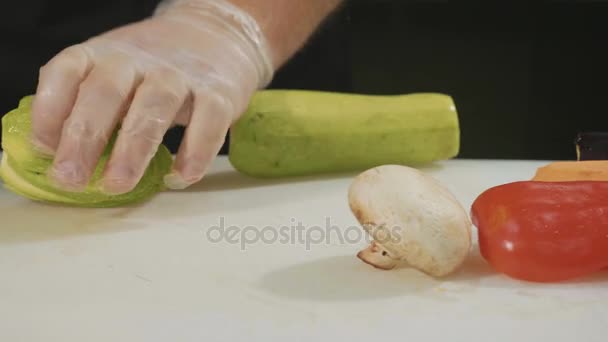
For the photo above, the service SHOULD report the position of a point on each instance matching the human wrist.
(223, 17)
(287, 25)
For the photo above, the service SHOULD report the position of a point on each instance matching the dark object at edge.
(592, 146)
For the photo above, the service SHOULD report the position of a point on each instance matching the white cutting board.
(153, 273)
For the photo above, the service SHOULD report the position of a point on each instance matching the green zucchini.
(24, 171)
(300, 132)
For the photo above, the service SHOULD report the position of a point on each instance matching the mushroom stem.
(375, 255)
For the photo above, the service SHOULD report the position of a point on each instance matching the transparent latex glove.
(193, 63)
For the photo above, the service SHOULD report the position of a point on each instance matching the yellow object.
(589, 170)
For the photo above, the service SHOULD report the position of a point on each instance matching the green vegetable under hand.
(23, 170)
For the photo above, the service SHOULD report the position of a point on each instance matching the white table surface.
(152, 273)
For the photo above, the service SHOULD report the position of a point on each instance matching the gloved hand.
(194, 63)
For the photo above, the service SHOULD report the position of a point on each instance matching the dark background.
(525, 78)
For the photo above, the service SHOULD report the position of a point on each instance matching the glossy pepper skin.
(544, 231)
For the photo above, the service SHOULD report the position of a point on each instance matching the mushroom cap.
(412, 217)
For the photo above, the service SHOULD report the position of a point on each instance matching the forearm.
(287, 24)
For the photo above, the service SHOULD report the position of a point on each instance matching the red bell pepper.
(544, 231)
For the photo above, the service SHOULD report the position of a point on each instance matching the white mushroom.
(412, 218)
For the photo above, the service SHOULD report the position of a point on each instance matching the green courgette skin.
(298, 132)
(24, 171)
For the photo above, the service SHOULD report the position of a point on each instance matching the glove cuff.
(240, 23)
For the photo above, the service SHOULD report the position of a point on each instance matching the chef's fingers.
(206, 132)
(55, 96)
(155, 105)
(103, 98)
